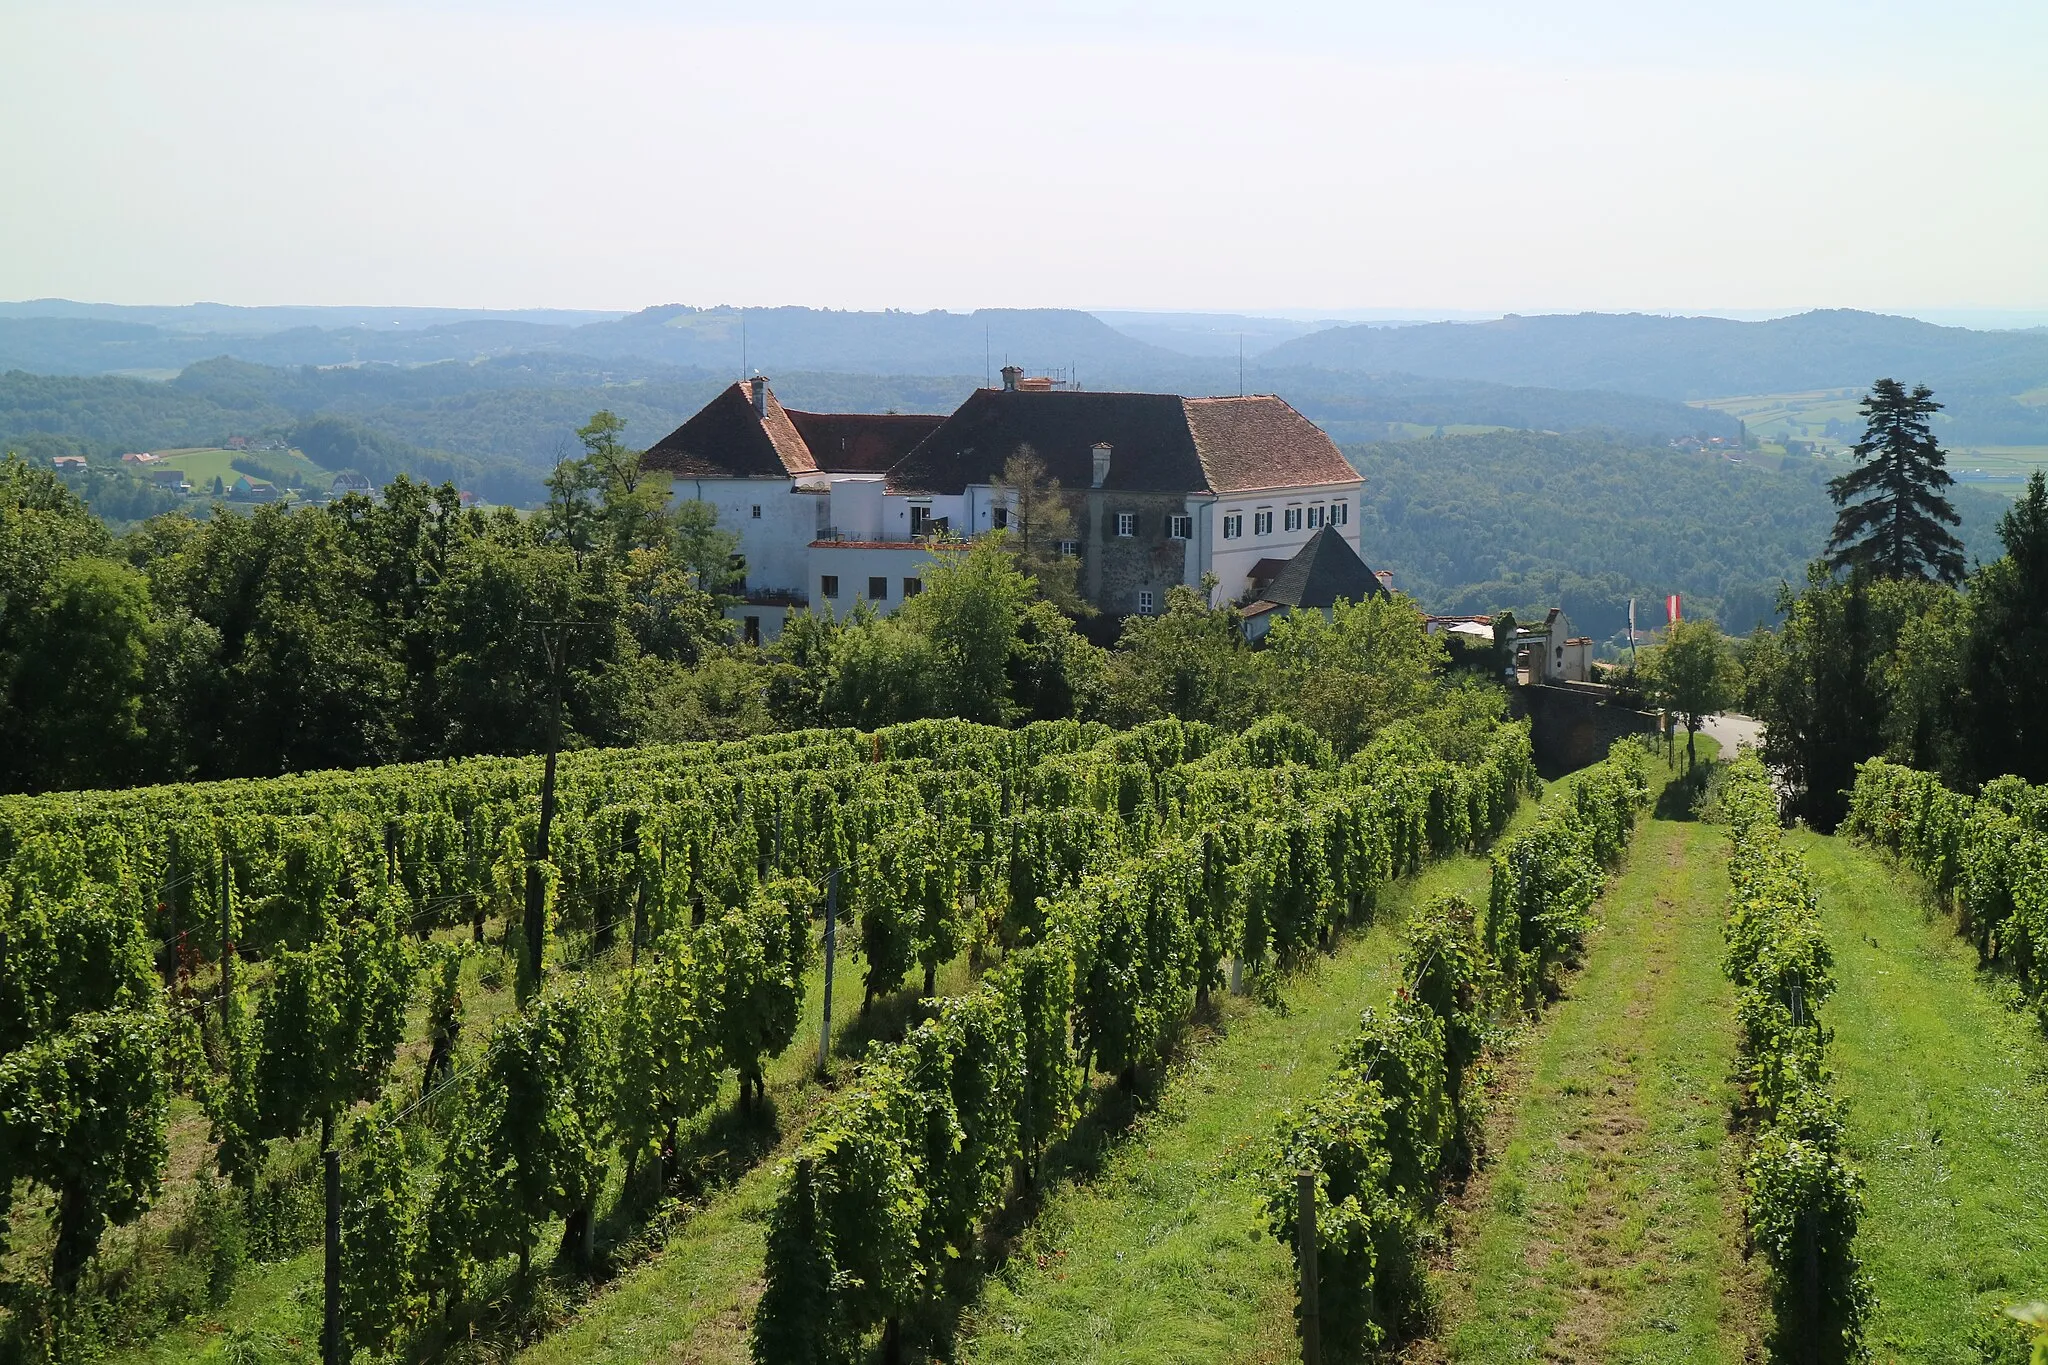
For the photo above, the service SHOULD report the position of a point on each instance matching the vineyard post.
(330, 1327)
(831, 954)
(536, 890)
(1305, 1258)
(227, 942)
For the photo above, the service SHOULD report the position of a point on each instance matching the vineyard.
(429, 1063)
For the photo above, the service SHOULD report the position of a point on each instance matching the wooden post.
(831, 954)
(1305, 1258)
(227, 942)
(330, 1330)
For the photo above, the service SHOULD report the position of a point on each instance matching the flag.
(1671, 612)
(1631, 620)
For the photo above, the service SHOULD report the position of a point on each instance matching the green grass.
(1946, 1114)
(1162, 1255)
(1606, 1223)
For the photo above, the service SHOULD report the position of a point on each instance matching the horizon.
(1960, 317)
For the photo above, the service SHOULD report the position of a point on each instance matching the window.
(1180, 528)
(912, 586)
(1233, 526)
(757, 511)
(920, 517)
(1340, 512)
(878, 590)
(1127, 524)
(1145, 602)
(828, 586)
(1292, 519)
(1315, 516)
(1001, 517)
(754, 630)
(1262, 523)
(1070, 548)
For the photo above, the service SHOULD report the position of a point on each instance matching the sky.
(1254, 156)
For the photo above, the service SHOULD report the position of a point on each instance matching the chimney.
(1011, 373)
(1102, 453)
(759, 383)
(1386, 578)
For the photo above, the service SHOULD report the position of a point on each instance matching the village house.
(836, 509)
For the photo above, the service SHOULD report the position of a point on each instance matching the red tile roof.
(860, 442)
(1160, 442)
(727, 439)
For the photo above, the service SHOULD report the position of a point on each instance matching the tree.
(2007, 650)
(701, 549)
(970, 609)
(1349, 673)
(77, 693)
(1038, 522)
(1190, 662)
(1816, 687)
(1692, 674)
(1893, 518)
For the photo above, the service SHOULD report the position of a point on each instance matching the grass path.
(1947, 1095)
(1160, 1257)
(1606, 1225)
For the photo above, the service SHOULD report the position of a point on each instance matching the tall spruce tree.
(1893, 512)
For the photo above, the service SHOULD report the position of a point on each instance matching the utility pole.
(536, 920)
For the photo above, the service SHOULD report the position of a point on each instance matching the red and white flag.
(1671, 612)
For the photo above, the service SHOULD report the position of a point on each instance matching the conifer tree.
(1894, 519)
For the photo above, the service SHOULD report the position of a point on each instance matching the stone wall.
(1572, 727)
(1115, 569)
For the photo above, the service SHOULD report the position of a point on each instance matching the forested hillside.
(1528, 521)
(1677, 357)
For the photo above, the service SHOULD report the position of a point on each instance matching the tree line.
(409, 627)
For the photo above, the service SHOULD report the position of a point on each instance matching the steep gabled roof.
(1261, 442)
(1160, 442)
(861, 443)
(1322, 571)
(727, 439)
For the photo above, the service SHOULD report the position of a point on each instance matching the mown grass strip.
(1947, 1094)
(1160, 1256)
(1607, 1223)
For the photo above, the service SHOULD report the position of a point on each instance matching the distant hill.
(1686, 358)
(1525, 521)
(516, 415)
(65, 338)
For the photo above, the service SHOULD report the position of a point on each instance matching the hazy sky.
(1261, 154)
